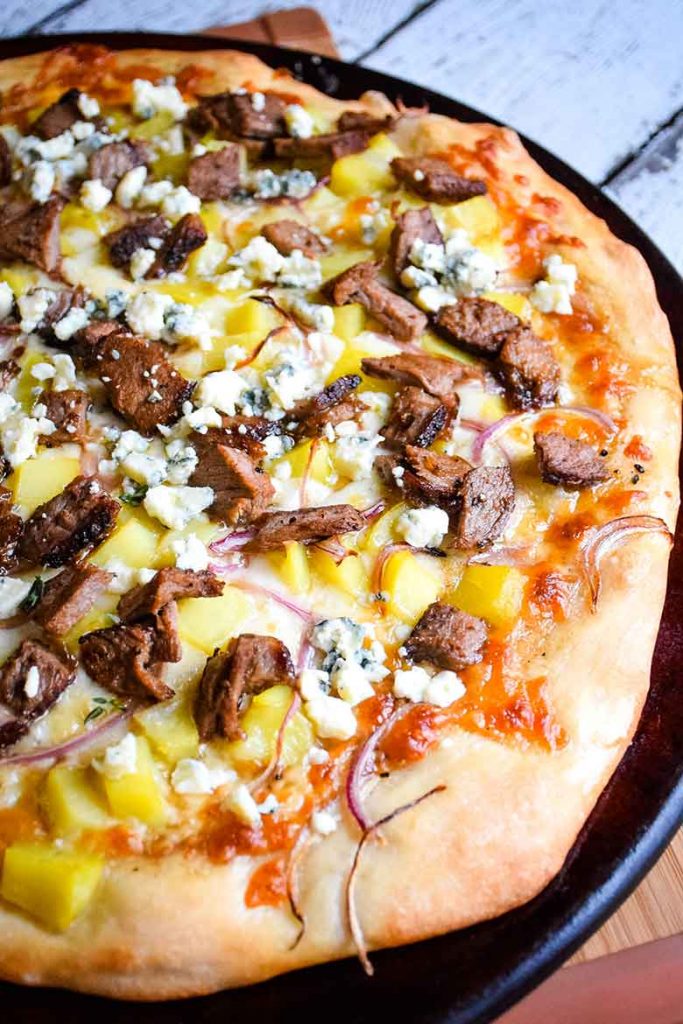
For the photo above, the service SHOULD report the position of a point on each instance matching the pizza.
(339, 450)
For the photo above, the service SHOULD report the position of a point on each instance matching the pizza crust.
(504, 824)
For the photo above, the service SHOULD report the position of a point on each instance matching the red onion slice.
(610, 535)
(361, 767)
(256, 588)
(500, 426)
(233, 542)
(374, 511)
(77, 744)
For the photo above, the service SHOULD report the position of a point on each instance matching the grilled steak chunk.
(411, 226)
(141, 384)
(67, 411)
(288, 235)
(433, 479)
(242, 491)
(251, 664)
(244, 432)
(477, 325)
(435, 180)
(31, 680)
(352, 120)
(59, 116)
(323, 147)
(5, 163)
(254, 120)
(447, 637)
(9, 369)
(308, 525)
(121, 658)
(30, 232)
(487, 498)
(11, 529)
(183, 239)
(529, 370)
(333, 404)
(361, 284)
(110, 163)
(215, 175)
(124, 242)
(69, 596)
(569, 462)
(436, 376)
(80, 517)
(416, 418)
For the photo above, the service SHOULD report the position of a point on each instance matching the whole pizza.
(339, 463)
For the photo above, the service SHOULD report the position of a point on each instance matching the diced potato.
(381, 532)
(27, 384)
(320, 468)
(54, 886)
(153, 126)
(349, 362)
(136, 542)
(206, 532)
(433, 344)
(337, 262)
(97, 618)
(291, 565)
(193, 292)
(369, 171)
(478, 216)
(251, 316)
(349, 576)
(20, 278)
(323, 207)
(171, 167)
(410, 585)
(514, 302)
(71, 802)
(206, 361)
(76, 216)
(137, 794)
(208, 622)
(261, 723)
(349, 320)
(41, 478)
(171, 729)
(491, 592)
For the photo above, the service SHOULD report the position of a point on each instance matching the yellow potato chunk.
(349, 320)
(433, 344)
(349, 362)
(366, 172)
(205, 532)
(251, 316)
(208, 622)
(262, 722)
(20, 278)
(491, 592)
(54, 886)
(77, 217)
(291, 565)
(478, 216)
(320, 468)
(410, 585)
(152, 126)
(71, 802)
(135, 542)
(137, 794)
(171, 729)
(97, 618)
(41, 478)
(512, 301)
(341, 259)
(349, 576)
(381, 532)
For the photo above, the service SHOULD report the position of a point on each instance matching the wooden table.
(600, 84)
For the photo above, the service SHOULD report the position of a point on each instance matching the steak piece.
(411, 226)
(433, 479)
(352, 120)
(323, 147)
(308, 525)
(569, 462)
(487, 498)
(31, 680)
(416, 418)
(477, 325)
(11, 529)
(5, 163)
(64, 301)
(70, 595)
(187, 235)
(141, 384)
(361, 284)
(447, 637)
(333, 404)
(251, 664)
(244, 432)
(242, 491)
(288, 235)
(58, 117)
(30, 232)
(80, 517)
(110, 163)
(121, 658)
(128, 239)
(215, 175)
(434, 179)
(529, 370)
(9, 369)
(434, 375)
(241, 115)
(67, 411)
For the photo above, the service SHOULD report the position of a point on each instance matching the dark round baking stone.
(472, 975)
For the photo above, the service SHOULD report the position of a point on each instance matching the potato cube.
(71, 802)
(54, 886)
(366, 172)
(318, 464)
(491, 592)
(349, 320)
(410, 585)
(349, 362)
(137, 794)
(261, 723)
(349, 576)
(208, 622)
(171, 729)
(136, 542)
(381, 532)
(251, 316)
(292, 566)
(37, 480)
(512, 301)
(478, 216)
(341, 259)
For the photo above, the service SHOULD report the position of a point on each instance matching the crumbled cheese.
(144, 468)
(415, 277)
(269, 805)
(331, 717)
(411, 683)
(41, 181)
(291, 378)
(153, 193)
(190, 553)
(6, 300)
(88, 105)
(318, 755)
(33, 306)
(428, 255)
(259, 260)
(180, 201)
(294, 184)
(95, 195)
(423, 527)
(242, 803)
(299, 122)
(118, 760)
(431, 299)
(181, 461)
(258, 102)
(65, 372)
(313, 683)
(372, 224)
(130, 186)
(299, 271)
(443, 689)
(19, 433)
(177, 506)
(125, 577)
(311, 313)
(42, 371)
(82, 130)
(150, 99)
(193, 777)
(32, 682)
(351, 683)
(221, 390)
(323, 822)
(12, 593)
(146, 314)
(75, 320)
(140, 262)
(183, 322)
(347, 643)
(355, 453)
(209, 258)
(554, 294)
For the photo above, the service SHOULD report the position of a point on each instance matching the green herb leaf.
(135, 495)
(103, 704)
(34, 595)
(93, 714)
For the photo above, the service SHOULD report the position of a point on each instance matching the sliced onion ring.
(361, 767)
(233, 542)
(608, 536)
(77, 744)
(500, 426)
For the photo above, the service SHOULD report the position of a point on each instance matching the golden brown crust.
(503, 826)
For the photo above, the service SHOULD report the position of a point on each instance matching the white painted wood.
(651, 190)
(588, 79)
(357, 25)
